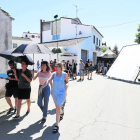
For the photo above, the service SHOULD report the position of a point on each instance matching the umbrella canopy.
(108, 54)
(59, 50)
(32, 49)
(16, 57)
(68, 54)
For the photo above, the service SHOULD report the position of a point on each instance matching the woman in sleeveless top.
(86, 67)
(60, 83)
(43, 76)
(90, 69)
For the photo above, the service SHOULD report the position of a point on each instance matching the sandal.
(55, 129)
(61, 116)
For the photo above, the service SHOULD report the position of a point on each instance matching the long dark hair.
(47, 64)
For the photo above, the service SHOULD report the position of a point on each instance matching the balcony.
(98, 48)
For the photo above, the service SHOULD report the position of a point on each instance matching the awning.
(108, 54)
(66, 42)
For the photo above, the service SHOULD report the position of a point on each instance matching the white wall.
(68, 30)
(5, 43)
(20, 42)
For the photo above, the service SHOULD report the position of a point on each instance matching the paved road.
(99, 109)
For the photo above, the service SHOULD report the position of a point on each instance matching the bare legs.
(10, 103)
(28, 104)
(58, 112)
(19, 106)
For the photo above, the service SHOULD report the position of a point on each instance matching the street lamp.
(56, 33)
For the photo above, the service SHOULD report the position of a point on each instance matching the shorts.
(90, 69)
(81, 72)
(11, 91)
(74, 71)
(24, 93)
(86, 68)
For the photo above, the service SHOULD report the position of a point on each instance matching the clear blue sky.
(100, 13)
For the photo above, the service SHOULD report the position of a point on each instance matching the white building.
(5, 42)
(35, 37)
(17, 41)
(83, 40)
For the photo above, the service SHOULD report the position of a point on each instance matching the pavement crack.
(117, 124)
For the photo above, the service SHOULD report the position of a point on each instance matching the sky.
(99, 13)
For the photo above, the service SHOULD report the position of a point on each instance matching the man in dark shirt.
(11, 88)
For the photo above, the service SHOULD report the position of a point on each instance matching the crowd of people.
(103, 67)
(20, 87)
(53, 80)
(71, 68)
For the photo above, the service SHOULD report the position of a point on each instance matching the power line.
(119, 24)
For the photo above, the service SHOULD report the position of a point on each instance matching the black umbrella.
(17, 57)
(32, 49)
(68, 54)
(58, 50)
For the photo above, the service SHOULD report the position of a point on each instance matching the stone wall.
(5, 44)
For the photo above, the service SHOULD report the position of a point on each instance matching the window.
(99, 42)
(26, 35)
(94, 39)
(33, 36)
(55, 37)
(14, 45)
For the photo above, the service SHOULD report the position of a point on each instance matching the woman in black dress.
(24, 77)
(68, 68)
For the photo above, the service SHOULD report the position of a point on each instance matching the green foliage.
(103, 49)
(116, 49)
(137, 40)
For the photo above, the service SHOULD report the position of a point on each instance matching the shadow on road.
(7, 126)
(52, 112)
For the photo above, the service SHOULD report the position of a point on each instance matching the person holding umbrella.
(24, 87)
(60, 83)
(43, 76)
(11, 87)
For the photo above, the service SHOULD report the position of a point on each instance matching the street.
(98, 109)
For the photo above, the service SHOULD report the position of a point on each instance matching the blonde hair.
(60, 65)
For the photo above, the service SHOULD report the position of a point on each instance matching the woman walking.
(90, 69)
(60, 83)
(24, 77)
(87, 67)
(43, 76)
(51, 65)
(68, 68)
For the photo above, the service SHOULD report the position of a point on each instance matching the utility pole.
(77, 16)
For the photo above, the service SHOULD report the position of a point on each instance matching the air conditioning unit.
(80, 33)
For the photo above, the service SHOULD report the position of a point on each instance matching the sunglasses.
(57, 66)
(11, 64)
(23, 64)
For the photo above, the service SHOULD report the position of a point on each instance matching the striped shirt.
(43, 77)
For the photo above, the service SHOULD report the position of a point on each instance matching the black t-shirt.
(12, 83)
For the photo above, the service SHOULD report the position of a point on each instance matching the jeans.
(45, 95)
(105, 70)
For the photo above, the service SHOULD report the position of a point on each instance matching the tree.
(116, 49)
(137, 40)
(103, 49)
